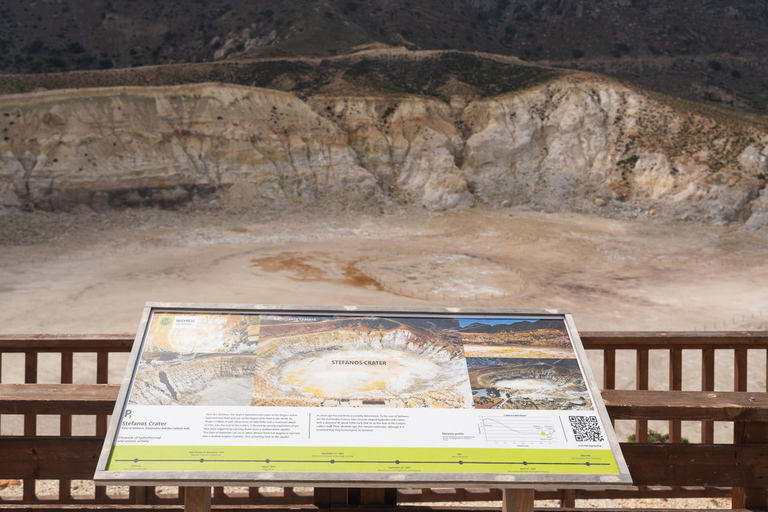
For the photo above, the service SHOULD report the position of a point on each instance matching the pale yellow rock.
(557, 146)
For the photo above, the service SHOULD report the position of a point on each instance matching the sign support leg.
(517, 500)
(197, 499)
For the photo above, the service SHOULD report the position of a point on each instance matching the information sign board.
(275, 395)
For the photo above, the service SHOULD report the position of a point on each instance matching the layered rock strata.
(576, 143)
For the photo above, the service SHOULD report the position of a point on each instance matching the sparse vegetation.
(531, 30)
(655, 437)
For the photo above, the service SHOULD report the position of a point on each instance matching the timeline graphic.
(517, 430)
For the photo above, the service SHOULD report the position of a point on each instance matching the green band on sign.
(360, 460)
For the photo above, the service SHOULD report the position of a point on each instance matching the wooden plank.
(65, 420)
(478, 494)
(659, 492)
(58, 398)
(740, 371)
(322, 497)
(641, 376)
(686, 405)
(739, 384)
(102, 377)
(30, 377)
(138, 495)
(260, 497)
(696, 464)
(49, 457)
(752, 497)
(339, 496)
(609, 369)
(197, 499)
(631, 340)
(675, 384)
(517, 500)
(30, 420)
(707, 384)
(372, 496)
(59, 342)
(568, 499)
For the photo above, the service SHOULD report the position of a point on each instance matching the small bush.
(623, 48)
(85, 60)
(715, 65)
(75, 48)
(56, 62)
(577, 53)
(655, 437)
(35, 47)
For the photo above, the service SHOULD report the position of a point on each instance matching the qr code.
(586, 428)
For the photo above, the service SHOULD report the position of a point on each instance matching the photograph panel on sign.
(549, 384)
(543, 338)
(361, 362)
(197, 359)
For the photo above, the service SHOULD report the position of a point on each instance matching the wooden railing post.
(30, 420)
(517, 500)
(708, 384)
(675, 384)
(197, 499)
(755, 432)
(641, 426)
(327, 497)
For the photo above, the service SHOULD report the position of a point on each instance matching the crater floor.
(87, 273)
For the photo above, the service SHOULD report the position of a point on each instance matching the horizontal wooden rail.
(730, 465)
(666, 340)
(66, 342)
(58, 398)
(49, 457)
(686, 405)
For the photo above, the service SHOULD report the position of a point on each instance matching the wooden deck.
(675, 469)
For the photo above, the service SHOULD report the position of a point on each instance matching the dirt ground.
(93, 274)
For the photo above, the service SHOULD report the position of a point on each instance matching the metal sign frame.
(335, 479)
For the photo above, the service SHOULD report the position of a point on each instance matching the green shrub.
(656, 437)
(75, 48)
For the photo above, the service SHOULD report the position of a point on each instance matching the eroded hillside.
(574, 142)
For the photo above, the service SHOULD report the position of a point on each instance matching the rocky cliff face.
(577, 143)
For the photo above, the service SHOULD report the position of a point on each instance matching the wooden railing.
(675, 469)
